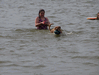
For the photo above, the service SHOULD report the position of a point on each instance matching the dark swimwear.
(42, 26)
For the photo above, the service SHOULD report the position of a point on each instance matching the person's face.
(42, 13)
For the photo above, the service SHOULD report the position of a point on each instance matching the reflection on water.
(26, 50)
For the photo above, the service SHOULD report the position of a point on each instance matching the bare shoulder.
(37, 18)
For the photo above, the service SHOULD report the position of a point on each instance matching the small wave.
(30, 30)
(73, 32)
(39, 66)
(70, 33)
(86, 57)
(26, 30)
(71, 24)
(21, 7)
(7, 65)
(35, 67)
(54, 56)
(91, 64)
(32, 3)
(2, 62)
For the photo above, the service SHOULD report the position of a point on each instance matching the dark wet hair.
(97, 15)
(40, 12)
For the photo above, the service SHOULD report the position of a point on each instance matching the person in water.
(41, 22)
(94, 18)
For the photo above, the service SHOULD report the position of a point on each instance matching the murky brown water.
(27, 51)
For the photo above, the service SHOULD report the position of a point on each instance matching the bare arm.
(37, 22)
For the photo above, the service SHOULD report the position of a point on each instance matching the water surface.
(24, 50)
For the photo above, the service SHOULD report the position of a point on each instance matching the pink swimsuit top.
(42, 26)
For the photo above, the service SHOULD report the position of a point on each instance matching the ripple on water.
(91, 64)
(2, 62)
(86, 57)
(24, 50)
(35, 67)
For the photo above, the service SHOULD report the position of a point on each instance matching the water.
(27, 51)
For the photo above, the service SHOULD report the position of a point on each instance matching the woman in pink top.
(41, 22)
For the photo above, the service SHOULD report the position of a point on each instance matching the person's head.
(41, 13)
(98, 15)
